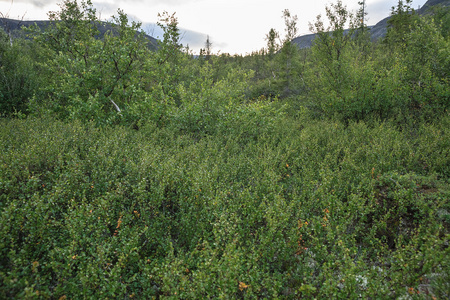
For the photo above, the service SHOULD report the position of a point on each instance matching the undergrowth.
(300, 209)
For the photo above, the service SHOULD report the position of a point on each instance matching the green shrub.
(18, 75)
(299, 208)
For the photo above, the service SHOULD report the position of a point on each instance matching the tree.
(332, 43)
(170, 45)
(362, 33)
(362, 29)
(18, 75)
(95, 77)
(361, 14)
(7, 26)
(290, 21)
(402, 18)
(289, 51)
(208, 47)
(342, 79)
(272, 45)
(169, 56)
(441, 16)
(272, 48)
(425, 64)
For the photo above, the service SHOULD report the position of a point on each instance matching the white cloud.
(36, 3)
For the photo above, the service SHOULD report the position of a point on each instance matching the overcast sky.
(234, 26)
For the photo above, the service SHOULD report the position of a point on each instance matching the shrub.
(303, 208)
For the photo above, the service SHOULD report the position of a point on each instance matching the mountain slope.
(377, 31)
(15, 28)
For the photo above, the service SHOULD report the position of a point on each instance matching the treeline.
(69, 72)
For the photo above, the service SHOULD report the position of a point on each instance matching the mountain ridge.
(377, 31)
(14, 28)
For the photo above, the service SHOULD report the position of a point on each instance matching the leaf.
(242, 286)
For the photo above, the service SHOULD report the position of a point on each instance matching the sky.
(233, 26)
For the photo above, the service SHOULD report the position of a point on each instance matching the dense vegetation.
(317, 173)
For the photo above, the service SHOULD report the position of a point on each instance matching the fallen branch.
(116, 106)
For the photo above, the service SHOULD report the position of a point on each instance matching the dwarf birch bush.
(308, 209)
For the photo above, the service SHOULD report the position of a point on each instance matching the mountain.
(15, 28)
(377, 31)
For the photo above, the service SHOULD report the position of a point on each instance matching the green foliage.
(318, 173)
(337, 66)
(305, 209)
(272, 45)
(427, 63)
(18, 75)
(169, 57)
(402, 18)
(332, 41)
(289, 67)
(208, 108)
(92, 79)
(441, 15)
(352, 80)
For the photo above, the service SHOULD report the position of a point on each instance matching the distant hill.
(15, 27)
(377, 31)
